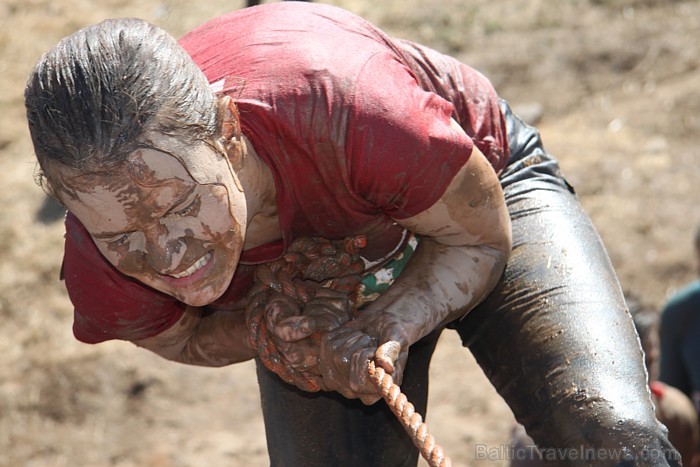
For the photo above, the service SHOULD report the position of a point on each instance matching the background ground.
(613, 87)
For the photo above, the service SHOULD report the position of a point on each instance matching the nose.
(164, 251)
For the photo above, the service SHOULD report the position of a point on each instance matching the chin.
(195, 302)
(199, 298)
(197, 289)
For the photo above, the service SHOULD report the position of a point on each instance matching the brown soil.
(612, 85)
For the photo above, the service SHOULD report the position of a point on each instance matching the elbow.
(500, 246)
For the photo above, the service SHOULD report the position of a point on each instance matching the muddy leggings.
(554, 338)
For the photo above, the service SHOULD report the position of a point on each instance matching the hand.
(326, 311)
(347, 351)
(288, 308)
(297, 333)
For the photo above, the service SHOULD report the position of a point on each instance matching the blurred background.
(611, 84)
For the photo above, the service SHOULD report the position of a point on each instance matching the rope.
(408, 417)
(294, 282)
(297, 281)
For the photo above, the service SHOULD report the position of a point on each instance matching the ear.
(229, 120)
(230, 128)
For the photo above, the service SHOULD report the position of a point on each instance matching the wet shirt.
(354, 125)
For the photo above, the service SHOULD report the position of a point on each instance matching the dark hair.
(91, 98)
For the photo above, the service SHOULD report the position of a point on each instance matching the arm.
(206, 338)
(465, 245)
(464, 251)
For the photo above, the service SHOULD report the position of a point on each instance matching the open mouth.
(199, 264)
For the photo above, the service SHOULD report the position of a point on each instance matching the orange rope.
(410, 419)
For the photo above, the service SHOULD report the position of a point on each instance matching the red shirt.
(355, 127)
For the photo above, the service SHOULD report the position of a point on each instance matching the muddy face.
(173, 224)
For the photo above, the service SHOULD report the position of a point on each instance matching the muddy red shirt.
(354, 125)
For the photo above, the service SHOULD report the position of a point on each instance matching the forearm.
(204, 338)
(440, 284)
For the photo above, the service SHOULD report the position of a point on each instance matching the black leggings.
(554, 338)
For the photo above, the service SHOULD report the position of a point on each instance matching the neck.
(258, 184)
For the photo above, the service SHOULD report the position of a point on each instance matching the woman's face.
(174, 219)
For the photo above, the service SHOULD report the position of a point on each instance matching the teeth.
(194, 268)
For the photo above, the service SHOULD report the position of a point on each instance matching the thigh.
(555, 337)
(325, 429)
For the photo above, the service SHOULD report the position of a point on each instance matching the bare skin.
(194, 216)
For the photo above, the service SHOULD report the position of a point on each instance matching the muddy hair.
(91, 98)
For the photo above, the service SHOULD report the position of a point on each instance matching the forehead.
(143, 187)
(151, 166)
(202, 162)
(143, 168)
(167, 161)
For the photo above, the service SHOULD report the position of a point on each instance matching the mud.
(611, 84)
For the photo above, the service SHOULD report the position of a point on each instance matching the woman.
(183, 169)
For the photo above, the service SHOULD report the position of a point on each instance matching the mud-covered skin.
(153, 222)
(328, 310)
(204, 338)
(371, 435)
(298, 298)
(178, 213)
(461, 256)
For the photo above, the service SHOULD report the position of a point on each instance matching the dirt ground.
(613, 87)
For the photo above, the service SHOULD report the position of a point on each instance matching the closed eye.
(190, 209)
(116, 241)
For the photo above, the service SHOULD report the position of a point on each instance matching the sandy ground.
(613, 88)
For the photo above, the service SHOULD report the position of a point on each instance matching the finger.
(280, 345)
(359, 374)
(325, 318)
(326, 292)
(337, 307)
(335, 339)
(301, 357)
(294, 328)
(280, 307)
(387, 355)
(399, 366)
(305, 362)
(370, 399)
(327, 323)
(335, 359)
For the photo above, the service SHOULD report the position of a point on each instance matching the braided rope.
(287, 285)
(411, 420)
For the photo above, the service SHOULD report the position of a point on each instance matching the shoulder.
(683, 301)
(258, 42)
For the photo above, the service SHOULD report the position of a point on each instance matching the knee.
(644, 445)
(598, 440)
